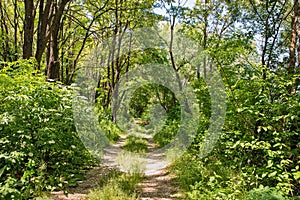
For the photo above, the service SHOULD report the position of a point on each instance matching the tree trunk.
(293, 44)
(15, 30)
(45, 12)
(205, 37)
(28, 29)
(5, 33)
(53, 64)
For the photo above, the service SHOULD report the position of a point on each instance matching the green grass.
(132, 163)
(135, 144)
(117, 186)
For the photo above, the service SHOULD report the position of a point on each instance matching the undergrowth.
(40, 149)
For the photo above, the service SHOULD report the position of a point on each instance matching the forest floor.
(158, 183)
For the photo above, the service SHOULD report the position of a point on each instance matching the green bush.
(40, 149)
(260, 142)
(167, 134)
(262, 134)
(208, 179)
(265, 193)
(111, 131)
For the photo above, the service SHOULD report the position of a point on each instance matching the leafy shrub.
(262, 134)
(168, 132)
(40, 149)
(208, 180)
(265, 193)
(260, 142)
(110, 129)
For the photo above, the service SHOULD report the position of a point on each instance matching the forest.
(149, 99)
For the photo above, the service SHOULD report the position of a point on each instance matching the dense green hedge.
(257, 156)
(40, 149)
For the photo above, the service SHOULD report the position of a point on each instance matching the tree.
(78, 33)
(122, 17)
(294, 41)
(270, 18)
(10, 29)
(28, 29)
(50, 15)
(53, 62)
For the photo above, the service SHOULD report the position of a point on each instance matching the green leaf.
(272, 174)
(296, 175)
(2, 170)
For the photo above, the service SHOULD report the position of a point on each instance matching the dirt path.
(79, 193)
(157, 185)
(160, 186)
